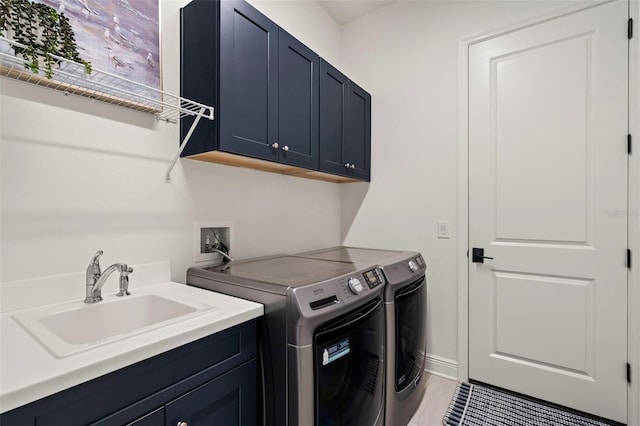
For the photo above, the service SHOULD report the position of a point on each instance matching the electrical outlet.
(211, 238)
(443, 229)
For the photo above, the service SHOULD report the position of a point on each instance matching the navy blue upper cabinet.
(230, 61)
(298, 103)
(248, 105)
(345, 125)
(334, 87)
(199, 74)
(271, 97)
(357, 147)
(262, 82)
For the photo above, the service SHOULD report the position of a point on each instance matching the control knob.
(413, 266)
(354, 285)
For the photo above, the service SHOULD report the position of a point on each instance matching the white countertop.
(29, 372)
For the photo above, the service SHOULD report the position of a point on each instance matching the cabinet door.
(334, 87)
(298, 103)
(229, 400)
(154, 418)
(357, 147)
(199, 71)
(247, 113)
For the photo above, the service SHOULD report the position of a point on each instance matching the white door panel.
(548, 81)
(533, 307)
(547, 161)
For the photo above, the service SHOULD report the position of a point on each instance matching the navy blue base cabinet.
(228, 400)
(210, 381)
(267, 90)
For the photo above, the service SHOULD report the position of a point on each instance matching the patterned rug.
(474, 405)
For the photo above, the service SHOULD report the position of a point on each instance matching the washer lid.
(287, 271)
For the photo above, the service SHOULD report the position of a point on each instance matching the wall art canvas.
(120, 37)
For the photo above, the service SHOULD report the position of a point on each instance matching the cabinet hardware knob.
(285, 148)
(347, 165)
(275, 145)
(182, 424)
(353, 166)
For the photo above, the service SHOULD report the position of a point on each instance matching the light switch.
(443, 229)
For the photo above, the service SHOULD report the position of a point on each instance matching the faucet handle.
(93, 269)
(124, 281)
(94, 263)
(96, 257)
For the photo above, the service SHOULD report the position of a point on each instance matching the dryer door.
(410, 314)
(349, 368)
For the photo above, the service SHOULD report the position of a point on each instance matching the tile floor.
(436, 400)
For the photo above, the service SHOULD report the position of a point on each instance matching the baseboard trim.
(440, 366)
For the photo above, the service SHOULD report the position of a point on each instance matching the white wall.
(78, 176)
(406, 55)
(307, 21)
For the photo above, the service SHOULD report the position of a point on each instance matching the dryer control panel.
(373, 277)
(416, 264)
(354, 285)
(338, 293)
(311, 304)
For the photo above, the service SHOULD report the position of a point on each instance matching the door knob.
(477, 255)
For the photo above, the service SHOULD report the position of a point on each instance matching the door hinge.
(630, 28)
(629, 258)
(628, 373)
(629, 144)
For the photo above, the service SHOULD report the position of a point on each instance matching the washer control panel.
(354, 285)
(373, 277)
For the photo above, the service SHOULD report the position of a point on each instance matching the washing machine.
(321, 339)
(405, 299)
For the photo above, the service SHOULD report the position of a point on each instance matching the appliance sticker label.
(335, 352)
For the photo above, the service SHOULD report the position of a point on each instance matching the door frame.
(633, 237)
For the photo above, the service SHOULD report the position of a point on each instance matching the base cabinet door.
(229, 400)
(155, 418)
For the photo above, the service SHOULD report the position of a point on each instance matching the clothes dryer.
(405, 299)
(321, 340)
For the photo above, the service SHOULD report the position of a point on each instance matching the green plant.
(44, 33)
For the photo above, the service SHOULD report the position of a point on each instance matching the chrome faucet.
(96, 278)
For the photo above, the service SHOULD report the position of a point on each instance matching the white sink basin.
(66, 329)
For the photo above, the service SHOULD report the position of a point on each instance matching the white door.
(547, 194)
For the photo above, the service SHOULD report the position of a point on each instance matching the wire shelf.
(71, 77)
